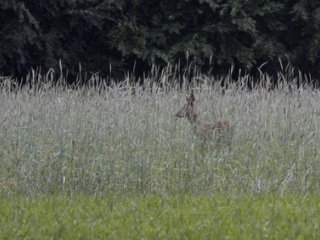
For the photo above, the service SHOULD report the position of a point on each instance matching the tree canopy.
(123, 33)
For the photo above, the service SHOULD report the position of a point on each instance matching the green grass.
(161, 217)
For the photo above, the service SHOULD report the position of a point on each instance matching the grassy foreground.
(160, 217)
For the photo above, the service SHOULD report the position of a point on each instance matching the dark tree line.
(123, 33)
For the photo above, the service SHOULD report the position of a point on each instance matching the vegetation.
(106, 157)
(114, 37)
(102, 161)
(161, 217)
(126, 138)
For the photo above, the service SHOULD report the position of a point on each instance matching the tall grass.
(125, 138)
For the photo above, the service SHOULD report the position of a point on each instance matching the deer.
(221, 130)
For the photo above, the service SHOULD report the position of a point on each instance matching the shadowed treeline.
(112, 37)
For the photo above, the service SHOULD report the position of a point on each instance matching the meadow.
(114, 162)
(160, 217)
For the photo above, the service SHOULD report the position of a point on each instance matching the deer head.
(188, 111)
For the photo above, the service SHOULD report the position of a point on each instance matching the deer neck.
(193, 119)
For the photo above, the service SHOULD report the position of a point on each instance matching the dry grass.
(93, 140)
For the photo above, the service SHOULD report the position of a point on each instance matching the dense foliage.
(92, 35)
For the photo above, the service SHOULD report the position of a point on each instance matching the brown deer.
(220, 130)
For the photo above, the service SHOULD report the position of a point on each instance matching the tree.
(123, 33)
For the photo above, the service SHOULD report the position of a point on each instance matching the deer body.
(219, 129)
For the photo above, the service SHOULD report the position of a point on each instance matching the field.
(117, 163)
(161, 217)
